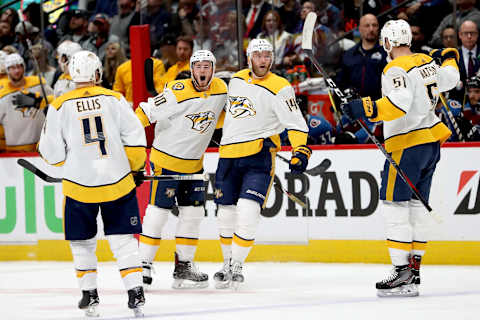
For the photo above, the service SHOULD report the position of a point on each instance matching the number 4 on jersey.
(94, 134)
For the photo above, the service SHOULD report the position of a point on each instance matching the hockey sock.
(398, 231)
(188, 230)
(85, 262)
(248, 217)
(420, 221)
(226, 216)
(153, 223)
(125, 250)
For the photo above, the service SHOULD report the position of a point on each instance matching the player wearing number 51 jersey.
(411, 84)
(94, 134)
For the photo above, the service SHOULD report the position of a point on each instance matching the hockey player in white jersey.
(21, 106)
(186, 114)
(413, 134)
(65, 51)
(94, 134)
(261, 106)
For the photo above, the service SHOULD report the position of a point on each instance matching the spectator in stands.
(362, 65)
(123, 78)
(77, 27)
(183, 18)
(7, 34)
(469, 51)
(272, 30)
(32, 14)
(465, 11)
(10, 15)
(99, 36)
(114, 57)
(329, 15)
(307, 7)
(254, 17)
(184, 51)
(449, 37)
(226, 50)
(159, 19)
(289, 14)
(121, 22)
(471, 111)
(419, 44)
(21, 107)
(201, 39)
(167, 51)
(47, 71)
(25, 30)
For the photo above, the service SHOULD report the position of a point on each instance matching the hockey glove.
(358, 108)
(299, 160)
(440, 55)
(138, 177)
(29, 100)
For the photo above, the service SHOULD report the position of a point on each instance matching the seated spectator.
(184, 51)
(329, 15)
(100, 36)
(7, 34)
(183, 18)
(201, 39)
(465, 11)
(77, 30)
(272, 30)
(21, 105)
(449, 37)
(289, 14)
(167, 51)
(159, 19)
(47, 71)
(226, 46)
(25, 30)
(419, 43)
(307, 7)
(121, 22)
(471, 111)
(363, 65)
(10, 16)
(254, 14)
(114, 57)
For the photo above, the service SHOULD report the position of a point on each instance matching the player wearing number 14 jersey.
(94, 134)
(411, 84)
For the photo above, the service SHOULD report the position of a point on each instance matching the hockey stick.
(307, 46)
(315, 171)
(45, 177)
(452, 118)
(148, 70)
(290, 196)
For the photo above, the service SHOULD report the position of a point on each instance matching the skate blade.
(403, 291)
(222, 284)
(92, 312)
(138, 312)
(187, 284)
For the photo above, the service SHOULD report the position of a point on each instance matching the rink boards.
(343, 222)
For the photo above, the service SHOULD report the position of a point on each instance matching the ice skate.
(237, 276)
(136, 300)
(147, 269)
(414, 264)
(400, 283)
(223, 276)
(89, 303)
(187, 276)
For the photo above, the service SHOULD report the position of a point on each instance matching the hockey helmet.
(473, 82)
(13, 60)
(258, 45)
(65, 52)
(84, 67)
(202, 55)
(396, 33)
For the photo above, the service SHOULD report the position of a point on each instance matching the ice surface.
(48, 290)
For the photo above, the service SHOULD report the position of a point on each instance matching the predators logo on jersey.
(201, 121)
(241, 107)
(27, 112)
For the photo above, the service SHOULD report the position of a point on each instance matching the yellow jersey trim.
(142, 116)
(271, 81)
(438, 132)
(64, 76)
(84, 92)
(97, 194)
(163, 160)
(450, 62)
(184, 89)
(136, 156)
(297, 138)
(30, 81)
(409, 62)
(387, 110)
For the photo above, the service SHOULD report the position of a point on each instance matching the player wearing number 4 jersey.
(186, 114)
(261, 106)
(411, 84)
(94, 134)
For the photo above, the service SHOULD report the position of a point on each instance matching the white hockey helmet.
(258, 45)
(13, 60)
(65, 51)
(396, 33)
(84, 66)
(202, 55)
(3, 55)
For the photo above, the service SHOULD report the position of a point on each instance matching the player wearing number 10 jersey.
(94, 134)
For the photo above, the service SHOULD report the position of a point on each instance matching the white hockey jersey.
(63, 85)
(94, 133)
(260, 109)
(22, 125)
(186, 119)
(411, 86)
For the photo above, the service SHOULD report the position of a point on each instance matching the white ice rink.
(48, 290)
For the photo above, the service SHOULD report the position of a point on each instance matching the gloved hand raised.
(299, 160)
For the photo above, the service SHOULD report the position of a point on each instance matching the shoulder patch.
(178, 86)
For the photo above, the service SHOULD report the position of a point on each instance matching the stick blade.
(320, 169)
(39, 173)
(308, 28)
